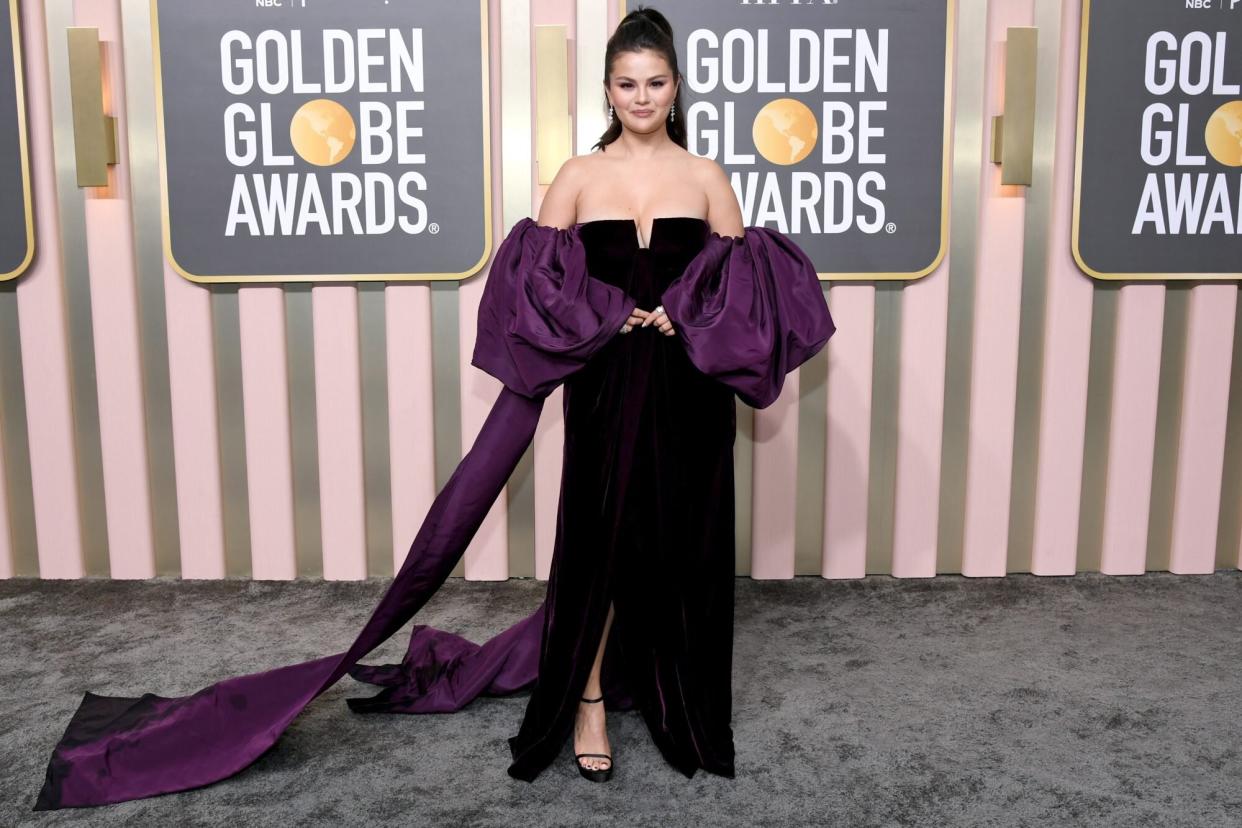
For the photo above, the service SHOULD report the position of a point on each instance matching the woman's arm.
(560, 203)
(724, 215)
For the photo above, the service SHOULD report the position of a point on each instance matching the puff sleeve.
(749, 310)
(541, 316)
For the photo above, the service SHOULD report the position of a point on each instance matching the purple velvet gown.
(645, 518)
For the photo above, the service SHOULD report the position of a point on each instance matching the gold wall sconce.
(94, 133)
(553, 127)
(1013, 133)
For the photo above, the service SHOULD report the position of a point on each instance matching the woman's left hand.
(660, 319)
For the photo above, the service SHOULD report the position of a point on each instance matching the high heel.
(594, 774)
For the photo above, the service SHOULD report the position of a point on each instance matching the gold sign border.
(1082, 265)
(950, 34)
(321, 278)
(20, 90)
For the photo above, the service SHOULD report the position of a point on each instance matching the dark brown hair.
(644, 28)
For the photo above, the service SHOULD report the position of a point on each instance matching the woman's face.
(641, 90)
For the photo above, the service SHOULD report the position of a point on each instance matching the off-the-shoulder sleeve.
(542, 316)
(749, 310)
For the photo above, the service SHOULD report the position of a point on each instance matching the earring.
(609, 114)
(672, 112)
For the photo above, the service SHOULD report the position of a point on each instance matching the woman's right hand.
(637, 317)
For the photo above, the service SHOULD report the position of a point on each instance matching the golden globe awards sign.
(831, 119)
(1158, 185)
(16, 219)
(323, 140)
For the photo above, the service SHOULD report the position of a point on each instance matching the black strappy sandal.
(594, 774)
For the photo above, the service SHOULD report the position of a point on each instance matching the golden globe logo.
(382, 64)
(850, 69)
(1185, 202)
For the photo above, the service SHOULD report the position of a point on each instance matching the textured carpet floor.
(1092, 700)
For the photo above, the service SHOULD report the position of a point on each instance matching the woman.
(653, 319)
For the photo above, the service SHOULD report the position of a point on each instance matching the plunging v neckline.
(638, 228)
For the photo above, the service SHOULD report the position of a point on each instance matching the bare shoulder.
(560, 203)
(724, 214)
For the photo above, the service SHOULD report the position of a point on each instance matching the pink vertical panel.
(920, 423)
(269, 452)
(118, 375)
(850, 358)
(411, 427)
(44, 334)
(7, 565)
(774, 487)
(549, 452)
(195, 426)
(487, 556)
(1201, 437)
(338, 407)
(994, 356)
(920, 412)
(1132, 434)
(1067, 341)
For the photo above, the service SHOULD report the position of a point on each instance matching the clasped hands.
(656, 317)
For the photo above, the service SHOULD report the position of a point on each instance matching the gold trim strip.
(882, 457)
(1037, 223)
(376, 462)
(15, 440)
(1104, 301)
(303, 430)
(149, 260)
(446, 385)
(1168, 427)
(967, 162)
(812, 459)
(517, 107)
(71, 215)
(23, 140)
(230, 411)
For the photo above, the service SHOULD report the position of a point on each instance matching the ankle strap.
(592, 701)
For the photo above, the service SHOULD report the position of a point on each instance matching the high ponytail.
(642, 29)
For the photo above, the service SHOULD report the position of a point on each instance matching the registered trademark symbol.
(890, 228)
(433, 228)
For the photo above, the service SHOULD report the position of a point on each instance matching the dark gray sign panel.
(323, 140)
(832, 121)
(16, 218)
(1158, 181)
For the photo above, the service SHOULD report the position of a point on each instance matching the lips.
(643, 113)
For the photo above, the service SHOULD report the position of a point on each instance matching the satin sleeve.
(542, 316)
(749, 309)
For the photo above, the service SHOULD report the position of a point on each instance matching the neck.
(643, 146)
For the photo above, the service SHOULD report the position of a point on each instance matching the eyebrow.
(653, 77)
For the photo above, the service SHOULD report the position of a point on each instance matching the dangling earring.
(672, 112)
(609, 114)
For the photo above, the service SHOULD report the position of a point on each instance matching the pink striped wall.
(1123, 510)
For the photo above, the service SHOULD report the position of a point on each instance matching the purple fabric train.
(747, 309)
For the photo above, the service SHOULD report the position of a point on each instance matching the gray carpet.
(1092, 700)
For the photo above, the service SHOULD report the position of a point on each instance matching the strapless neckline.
(655, 223)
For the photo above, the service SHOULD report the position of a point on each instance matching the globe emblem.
(1223, 134)
(785, 131)
(322, 132)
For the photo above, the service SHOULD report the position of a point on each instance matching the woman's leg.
(590, 732)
